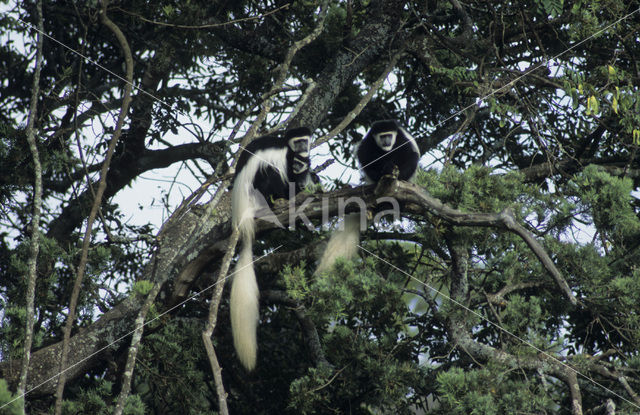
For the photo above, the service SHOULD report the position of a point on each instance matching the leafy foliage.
(97, 401)
(8, 402)
(530, 107)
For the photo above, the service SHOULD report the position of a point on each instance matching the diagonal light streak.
(459, 304)
(143, 325)
(513, 81)
(30, 26)
(120, 77)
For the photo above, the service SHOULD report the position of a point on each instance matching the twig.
(133, 348)
(34, 247)
(296, 109)
(233, 240)
(327, 383)
(217, 374)
(206, 26)
(96, 205)
(213, 318)
(283, 70)
(504, 219)
(360, 106)
(323, 166)
(496, 298)
(629, 389)
(137, 335)
(231, 246)
(507, 219)
(607, 408)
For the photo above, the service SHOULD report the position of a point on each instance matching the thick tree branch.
(539, 364)
(378, 36)
(361, 104)
(459, 267)
(571, 378)
(188, 242)
(466, 20)
(502, 220)
(96, 203)
(157, 159)
(130, 148)
(614, 375)
(34, 245)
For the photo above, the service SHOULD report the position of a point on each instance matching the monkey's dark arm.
(388, 166)
(409, 163)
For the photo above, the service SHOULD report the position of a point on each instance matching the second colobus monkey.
(387, 145)
(263, 173)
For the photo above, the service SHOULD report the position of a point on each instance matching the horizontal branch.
(410, 193)
(615, 166)
(187, 244)
(541, 363)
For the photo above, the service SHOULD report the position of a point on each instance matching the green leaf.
(142, 287)
(168, 10)
(7, 403)
(592, 105)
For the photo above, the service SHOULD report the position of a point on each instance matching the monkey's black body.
(387, 145)
(269, 182)
(264, 142)
(377, 162)
(264, 171)
(268, 179)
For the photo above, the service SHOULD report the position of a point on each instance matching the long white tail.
(342, 244)
(244, 308)
(245, 296)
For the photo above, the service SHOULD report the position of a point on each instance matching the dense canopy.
(511, 285)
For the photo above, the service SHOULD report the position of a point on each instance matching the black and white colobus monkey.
(263, 173)
(387, 145)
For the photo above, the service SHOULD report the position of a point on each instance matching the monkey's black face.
(386, 139)
(300, 145)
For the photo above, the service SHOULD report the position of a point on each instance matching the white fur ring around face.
(386, 139)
